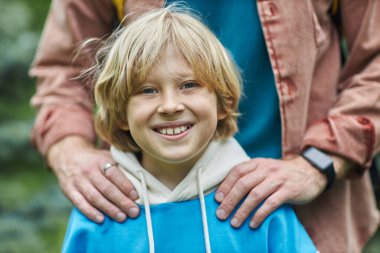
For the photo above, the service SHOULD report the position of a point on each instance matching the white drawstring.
(203, 209)
(148, 217)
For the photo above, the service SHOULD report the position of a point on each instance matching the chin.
(179, 158)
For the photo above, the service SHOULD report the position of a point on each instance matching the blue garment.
(237, 25)
(178, 228)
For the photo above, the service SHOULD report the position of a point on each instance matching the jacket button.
(269, 9)
(363, 121)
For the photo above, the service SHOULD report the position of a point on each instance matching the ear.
(221, 114)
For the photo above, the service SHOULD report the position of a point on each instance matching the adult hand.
(273, 181)
(77, 165)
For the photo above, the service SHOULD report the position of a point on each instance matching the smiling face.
(172, 117)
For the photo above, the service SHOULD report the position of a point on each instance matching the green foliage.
(33, 211)
(19, 34)
(17, 40)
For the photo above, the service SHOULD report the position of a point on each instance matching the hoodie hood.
(213, 167)
(206, 174)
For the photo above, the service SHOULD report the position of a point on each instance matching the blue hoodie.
(183, 219)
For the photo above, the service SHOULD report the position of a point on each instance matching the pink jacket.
(334, 109)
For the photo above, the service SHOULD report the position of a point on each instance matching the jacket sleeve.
(65, 105)
(352, 128)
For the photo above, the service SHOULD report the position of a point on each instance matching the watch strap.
(321, 161)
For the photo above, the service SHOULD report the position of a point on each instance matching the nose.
(170, 103)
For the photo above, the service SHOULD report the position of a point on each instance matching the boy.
(167, 93)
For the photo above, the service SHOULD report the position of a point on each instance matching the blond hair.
(130, 53)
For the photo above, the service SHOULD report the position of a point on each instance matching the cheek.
(208, 109)
(136, 124)
(135, 110)
(138, 131)
(133, 117)
(139, 113)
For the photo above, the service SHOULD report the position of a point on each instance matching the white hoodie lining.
(203, 209)
(217, 161)
(148, 217)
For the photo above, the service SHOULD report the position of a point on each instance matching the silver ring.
(106, 166)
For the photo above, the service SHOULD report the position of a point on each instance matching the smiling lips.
(173, 130)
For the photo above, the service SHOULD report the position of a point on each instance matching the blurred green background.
(33, 211)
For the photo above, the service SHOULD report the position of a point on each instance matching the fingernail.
(133, 212)
(253, 224)
(235, 222)
(120, 216)
(134, 195)
(219, 196)
(99, 219)
(221, 214)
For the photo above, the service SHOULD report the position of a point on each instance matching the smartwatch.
(321, 162)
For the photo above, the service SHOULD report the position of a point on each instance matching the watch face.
(317, 158)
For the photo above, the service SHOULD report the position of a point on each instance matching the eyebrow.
(183, 75)
(179, 76)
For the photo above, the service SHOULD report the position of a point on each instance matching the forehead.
(172, 64)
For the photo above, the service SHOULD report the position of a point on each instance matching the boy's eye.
(189, 85)
(148, 91)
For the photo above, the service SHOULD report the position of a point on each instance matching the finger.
(97, 200)
(122, 182)
(114, 195)
(233, 176)
(237, 193)
(254, 198)
(82, 204)
(269, 205)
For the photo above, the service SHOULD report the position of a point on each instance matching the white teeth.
(172, 131)
(177, 130)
